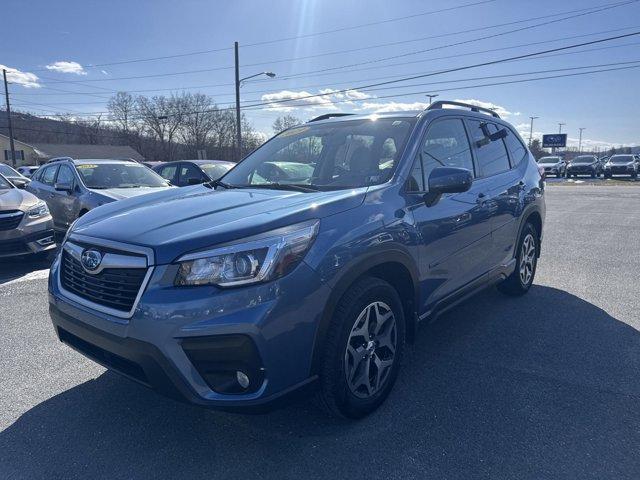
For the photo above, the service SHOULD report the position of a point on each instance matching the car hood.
(15, 199)
(122, 193)
(176, 221)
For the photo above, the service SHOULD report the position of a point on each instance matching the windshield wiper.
(296, 187)
(219, 183)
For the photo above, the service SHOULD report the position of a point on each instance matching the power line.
(368, 62)
(375, 78)
(268, 42)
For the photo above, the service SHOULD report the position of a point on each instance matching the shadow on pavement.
(16, 267)
(543, 386)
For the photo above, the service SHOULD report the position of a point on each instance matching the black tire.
(335, 394)
(515, 284)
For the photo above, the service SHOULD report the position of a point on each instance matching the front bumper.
(586, 170)
(30, 236)
(279, 317)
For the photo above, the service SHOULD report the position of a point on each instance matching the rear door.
(455, 232)
(44, 187)
(503, 184)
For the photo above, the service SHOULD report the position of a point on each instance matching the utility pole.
(238, 126)
(531, 130)
(580, 141)
(560, 127)
(431, 97)
(6, 96)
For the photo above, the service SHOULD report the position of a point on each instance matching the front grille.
(10, 219)
(115, 288)
(620, 170)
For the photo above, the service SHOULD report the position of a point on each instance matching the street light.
(238, 84)
(531, 130)
(560, 127)
(580, 141)
(431, 97)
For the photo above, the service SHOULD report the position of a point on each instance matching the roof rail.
(474, 108)
(59, 159)
(328, 115)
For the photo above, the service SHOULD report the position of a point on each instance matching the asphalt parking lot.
(544, 386)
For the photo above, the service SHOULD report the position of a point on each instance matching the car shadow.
(17, 267)
(541, 386)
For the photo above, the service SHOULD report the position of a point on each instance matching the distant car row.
(619, 164)
(64, 189)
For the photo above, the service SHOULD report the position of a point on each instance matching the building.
(39, 153)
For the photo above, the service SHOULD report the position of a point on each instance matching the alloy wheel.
(527, 259)
(371, 350)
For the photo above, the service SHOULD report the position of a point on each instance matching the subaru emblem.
(91, 259)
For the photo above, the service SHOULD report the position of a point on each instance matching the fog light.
(242, 378)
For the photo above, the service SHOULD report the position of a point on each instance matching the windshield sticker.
(87, 165)
(294, 131)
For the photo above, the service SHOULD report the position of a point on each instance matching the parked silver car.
(73, 187)
(26, 226)
(13, 176)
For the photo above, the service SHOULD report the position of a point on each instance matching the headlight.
(255, 259)
(40, 209)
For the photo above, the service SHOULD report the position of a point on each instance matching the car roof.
(85, 161)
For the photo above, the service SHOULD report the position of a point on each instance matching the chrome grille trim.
(115, 261)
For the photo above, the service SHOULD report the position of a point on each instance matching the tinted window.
(7, 171)
(48, 174)
(416, 177)
(216, 170)
(492, 155)
(515, 147)
(119, 175)
(169, 172)
(446, 145)
(189, 172)
(65, 175)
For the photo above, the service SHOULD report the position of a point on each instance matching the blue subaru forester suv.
(311, 276)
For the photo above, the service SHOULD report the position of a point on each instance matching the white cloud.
(500, 110)
(25, 79)
(379, 107)
(67, 67)
(104, 72)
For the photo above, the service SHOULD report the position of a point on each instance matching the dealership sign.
(554, 140)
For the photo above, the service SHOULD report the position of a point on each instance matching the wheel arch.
(397, 268)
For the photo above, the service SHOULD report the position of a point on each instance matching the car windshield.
(216, 170)
(584, 159)
(336, 155)
(119, 175)
(549, 160)
(4, 183)
(621, 159)
(7, 171)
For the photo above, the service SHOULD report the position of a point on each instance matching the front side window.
(345, 154)
(492, 154)
(446, 145)
(7, 171)
(119, 175)
(49, 174)
(65, 175)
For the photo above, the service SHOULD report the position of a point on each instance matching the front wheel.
(520, 281)
(363, 349)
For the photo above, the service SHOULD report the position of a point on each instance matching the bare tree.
(162, 118)
(284, 122)
(198, 122)
(122, 111)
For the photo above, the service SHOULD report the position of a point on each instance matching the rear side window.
(517, 151)
(189, 172)
(492, 155)
(48, 174)
(168, 172)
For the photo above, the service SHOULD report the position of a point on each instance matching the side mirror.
(21, 183)
(63, 187)
(447, 180)
(193, 181)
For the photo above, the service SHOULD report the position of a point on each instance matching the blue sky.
(92, 32)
